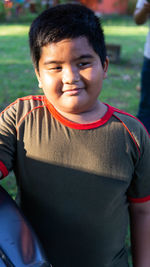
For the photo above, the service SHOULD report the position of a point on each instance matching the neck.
(90, 116)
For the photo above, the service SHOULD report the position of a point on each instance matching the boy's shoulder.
(34, 100)
(25, 103)
(128, 120)
(22, 106)
(30, 102)
(132, 126)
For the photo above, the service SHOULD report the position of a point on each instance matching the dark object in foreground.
(19, 246)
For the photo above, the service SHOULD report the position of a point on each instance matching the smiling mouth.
(74, 91)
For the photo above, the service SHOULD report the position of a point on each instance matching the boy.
(78, 162)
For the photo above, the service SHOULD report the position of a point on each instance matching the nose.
(70, 75)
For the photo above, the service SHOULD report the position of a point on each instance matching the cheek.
(46, 80)
(50, 82)
(88, 75)
(52, 87)
(94, 75)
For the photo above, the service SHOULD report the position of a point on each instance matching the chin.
(76, 109)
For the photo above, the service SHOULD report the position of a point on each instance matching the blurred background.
(10, 8)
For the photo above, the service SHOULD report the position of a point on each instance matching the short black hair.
(66, 21)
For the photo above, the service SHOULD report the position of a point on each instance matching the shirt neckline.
(75, 125)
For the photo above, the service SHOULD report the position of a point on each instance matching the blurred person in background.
(19, 6)
(141, 15)
(32, 6)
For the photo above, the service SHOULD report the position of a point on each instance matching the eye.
(84, 64)
(55, 68)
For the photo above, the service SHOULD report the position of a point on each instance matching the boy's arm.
(140, 233)
(141, 15)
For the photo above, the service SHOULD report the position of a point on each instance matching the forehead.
(68, 48)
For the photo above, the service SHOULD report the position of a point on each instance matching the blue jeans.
(144, 106)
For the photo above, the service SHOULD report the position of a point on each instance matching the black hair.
(64, 22)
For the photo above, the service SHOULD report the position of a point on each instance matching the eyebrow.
(86, 56)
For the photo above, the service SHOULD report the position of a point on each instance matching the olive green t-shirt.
(76, 180)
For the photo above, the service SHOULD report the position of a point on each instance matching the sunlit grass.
(126, 30)
(13, 30)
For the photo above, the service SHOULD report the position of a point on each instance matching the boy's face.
(71, 75)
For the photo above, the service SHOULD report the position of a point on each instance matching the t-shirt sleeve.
(140, 3)
(139, 190)
(7, 139)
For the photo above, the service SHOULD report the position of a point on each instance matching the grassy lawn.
(120, 88)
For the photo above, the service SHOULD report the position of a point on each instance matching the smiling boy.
(82, 166)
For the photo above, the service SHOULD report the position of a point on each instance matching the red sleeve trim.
(8, 107)
(38, 97)
(22, 119)
(3, 169)
(75, 125)
(139, 200)
(34, 97)
(125, 113)
(137, 146)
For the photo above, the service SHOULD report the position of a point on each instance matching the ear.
(105, 67)
(38, 77)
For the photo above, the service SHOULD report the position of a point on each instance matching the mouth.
(73, 91)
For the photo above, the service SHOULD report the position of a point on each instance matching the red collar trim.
(75, 125)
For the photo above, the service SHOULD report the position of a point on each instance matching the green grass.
(119, 89)
(16, 71)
